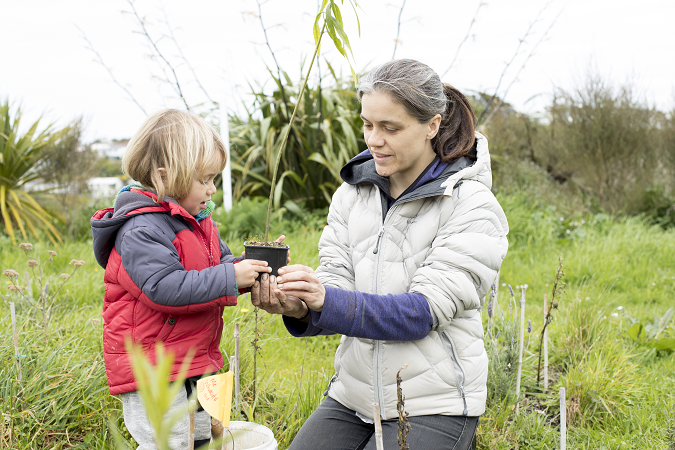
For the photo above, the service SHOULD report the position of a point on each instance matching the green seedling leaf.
(636, 332)
(665, 344)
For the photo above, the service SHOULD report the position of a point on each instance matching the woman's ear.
(434, 126)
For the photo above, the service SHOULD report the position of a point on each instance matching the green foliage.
(649, 333)
(20, 156)
(327, 133)
(616, 268)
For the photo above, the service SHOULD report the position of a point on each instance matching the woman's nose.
(374, 139)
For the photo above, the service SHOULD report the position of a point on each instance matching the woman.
(414, 240)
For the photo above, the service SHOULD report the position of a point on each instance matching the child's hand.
(246, 271)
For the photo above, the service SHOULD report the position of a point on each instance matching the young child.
(168, 275)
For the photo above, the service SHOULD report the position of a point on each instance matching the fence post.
(545, 349)
(237, 392)
(16, 339)
(563, 420)
(520, 345)
(378, 427)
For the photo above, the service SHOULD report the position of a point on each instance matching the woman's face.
(400, 145)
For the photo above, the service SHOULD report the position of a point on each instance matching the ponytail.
(457, 132)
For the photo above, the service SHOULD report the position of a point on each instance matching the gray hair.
(417, 86)
(420, 90)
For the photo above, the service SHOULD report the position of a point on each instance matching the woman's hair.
(419, 89)
(181, 143)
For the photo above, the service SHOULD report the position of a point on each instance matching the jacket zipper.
(379, 236)
(377, 382)
(459, 371)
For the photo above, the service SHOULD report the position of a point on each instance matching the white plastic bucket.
(249, 436)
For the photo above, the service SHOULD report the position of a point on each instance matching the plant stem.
(378, 427)
(237, 388)
(288, 130)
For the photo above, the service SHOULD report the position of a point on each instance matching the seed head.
(51, 252)
(10, 273)
(76, 262)
(26, 247)
(14, 287)
(65, 276)
(33, 263)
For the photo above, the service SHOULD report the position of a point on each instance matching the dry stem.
(403, 424)
(558, 287)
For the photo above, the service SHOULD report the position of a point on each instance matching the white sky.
(46, 66)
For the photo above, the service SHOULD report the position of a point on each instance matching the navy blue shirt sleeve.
(400, 317)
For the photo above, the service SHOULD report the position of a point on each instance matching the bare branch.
(503, 96)
(398, 30)
(468, 33)
(274, 57)
(153, 43)
(180, 52)
(99, 60)
(515, 55)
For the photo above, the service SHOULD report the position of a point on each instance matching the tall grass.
(620, 393)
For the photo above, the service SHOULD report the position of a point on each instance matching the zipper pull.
(379, 236)
(458, 185)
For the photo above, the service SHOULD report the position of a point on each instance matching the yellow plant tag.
(215, 395)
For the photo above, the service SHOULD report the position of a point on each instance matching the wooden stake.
(545, 349)
(237, 392)
(563, 420)
(16, 339)
(191, 436)
(29, 288)
(494, 301)
(378, 427)
(520, 346)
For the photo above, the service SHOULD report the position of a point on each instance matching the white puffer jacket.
(447, 245)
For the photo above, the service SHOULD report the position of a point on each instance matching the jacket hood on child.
(167, 279)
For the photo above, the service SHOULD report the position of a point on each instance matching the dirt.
(267, 244)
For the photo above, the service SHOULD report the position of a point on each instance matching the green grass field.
(620, 392)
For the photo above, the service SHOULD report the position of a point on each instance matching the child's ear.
(163, 175)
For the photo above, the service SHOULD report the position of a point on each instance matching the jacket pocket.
(167, 328)
(460, 374)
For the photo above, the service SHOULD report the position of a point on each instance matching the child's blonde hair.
(181, 143)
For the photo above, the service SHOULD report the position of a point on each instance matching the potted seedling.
(276, 253)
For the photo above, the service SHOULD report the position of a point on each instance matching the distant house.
(110, 150)
(104, 187)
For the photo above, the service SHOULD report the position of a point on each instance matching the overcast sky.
(47, 67)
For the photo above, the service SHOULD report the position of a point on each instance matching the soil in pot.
(275, 253)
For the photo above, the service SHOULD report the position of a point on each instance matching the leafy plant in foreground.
(20, 154)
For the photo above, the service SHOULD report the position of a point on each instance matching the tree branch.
(180, 52)
(161, 56)
(503, 96)
(468, 33)
(515, 55)
(99, 60)
(398, 30)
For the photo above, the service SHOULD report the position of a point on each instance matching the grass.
(619, 392)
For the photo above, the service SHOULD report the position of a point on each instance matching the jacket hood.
(106, 223)
(361, 169)
(480, 171)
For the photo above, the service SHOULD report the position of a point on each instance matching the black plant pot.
(276, 257)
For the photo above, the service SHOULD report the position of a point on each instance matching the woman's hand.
(246, 271)
(267, 296)
(301, 281)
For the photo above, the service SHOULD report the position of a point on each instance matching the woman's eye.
(390, 130)
(367, 126)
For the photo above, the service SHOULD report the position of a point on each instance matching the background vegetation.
(619, 272)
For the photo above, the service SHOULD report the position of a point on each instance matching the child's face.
(200, 192)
